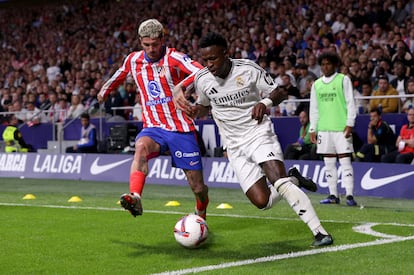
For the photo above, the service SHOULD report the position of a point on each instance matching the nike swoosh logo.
(369, 183)
(97, 169)
(192, 163)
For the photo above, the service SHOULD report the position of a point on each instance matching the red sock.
(201, 205)
(136, 182)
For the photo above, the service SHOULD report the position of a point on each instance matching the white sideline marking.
(364, 228)
(286, 256)
(184, 213)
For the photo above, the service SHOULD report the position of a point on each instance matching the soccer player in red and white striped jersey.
(156, 70)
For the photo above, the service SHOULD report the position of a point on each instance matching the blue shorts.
(183, 147)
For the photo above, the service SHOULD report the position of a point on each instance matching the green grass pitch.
(49, 235)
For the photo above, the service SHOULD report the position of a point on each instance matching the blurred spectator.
(34, 115)
(76, 107)
(363, 104)
(53, 111)
(288, 108)
(409, 102)
(90, 102)
(305, 95)
(380, 139)
(63, 110)
(303, 148)
(400, 82)
(281, 70)
(386, 105)
(303, 75)
(19, 110)
(404, 143)
(114, 100)
(313, 65)
(43, 102)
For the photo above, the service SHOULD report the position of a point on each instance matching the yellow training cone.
(75, 199)
(29, 197)
(224, 206)
(172, 203)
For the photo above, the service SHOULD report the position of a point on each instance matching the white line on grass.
(184, 213)
(286, 256)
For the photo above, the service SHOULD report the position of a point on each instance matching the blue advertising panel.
(371, 179)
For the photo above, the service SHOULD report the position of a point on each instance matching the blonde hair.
(151, 28)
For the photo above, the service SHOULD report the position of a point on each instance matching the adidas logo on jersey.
(271, 154)
(212, 91)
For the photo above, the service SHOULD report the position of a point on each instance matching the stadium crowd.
(55, 56)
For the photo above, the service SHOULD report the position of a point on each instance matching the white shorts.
(334, 143)
(246, 158)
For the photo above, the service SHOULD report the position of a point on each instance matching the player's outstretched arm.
(275, 98)
(278, 95)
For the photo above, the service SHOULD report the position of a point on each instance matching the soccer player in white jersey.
(233, 89)
(156, 70)
(332, 117)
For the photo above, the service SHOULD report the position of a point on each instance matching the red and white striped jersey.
(155, 82)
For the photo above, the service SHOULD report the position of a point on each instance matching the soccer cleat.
(330, 200)
(306, 183)
(200, 213)
(132, 203)
(350, 201)
(322, 240)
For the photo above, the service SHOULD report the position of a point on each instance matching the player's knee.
(259, 199)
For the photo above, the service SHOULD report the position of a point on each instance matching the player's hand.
(312, 137)
(348, 132)
(179, 99)
(100, 99)
(258, 112)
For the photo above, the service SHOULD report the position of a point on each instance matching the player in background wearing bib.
(156, 70)
(332, 117)
(238, 92)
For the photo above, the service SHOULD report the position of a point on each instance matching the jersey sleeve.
(265, 82)
(350, 101)
(313, 110)
(187, 66)
(117, 78)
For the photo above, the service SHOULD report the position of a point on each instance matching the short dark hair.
(85, 115)
(331, 57)
(375, 110)
(213, 39)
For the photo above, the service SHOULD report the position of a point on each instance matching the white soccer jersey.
(232, 100)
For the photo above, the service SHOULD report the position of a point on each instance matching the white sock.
(331, 174)
(294, 180)
(300, 203)
(347, 175)
(273, 198)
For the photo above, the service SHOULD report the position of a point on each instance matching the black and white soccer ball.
(191, 231)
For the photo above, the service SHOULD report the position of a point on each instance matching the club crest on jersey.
(154, 89)
(239, 82)
(161, 71)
